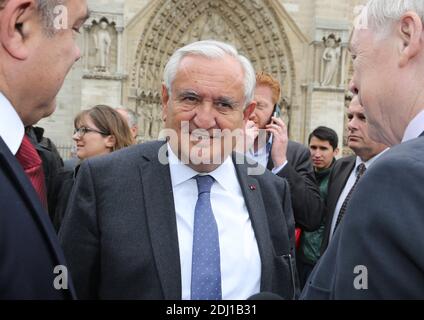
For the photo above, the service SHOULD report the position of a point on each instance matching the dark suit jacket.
(308, 208)
(64, 183)
(120, 232)
(380, 243)
(29, 249)
(336, 183)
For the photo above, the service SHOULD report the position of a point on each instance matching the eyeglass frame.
(81, 131)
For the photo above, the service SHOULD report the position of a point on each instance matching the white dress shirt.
(349, 184)
(11, 127)
(262, 156)
(240, 259)
(414, 128)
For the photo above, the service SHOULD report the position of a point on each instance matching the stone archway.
(252, 26)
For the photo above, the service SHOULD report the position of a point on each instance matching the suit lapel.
(339, 182)
(339, 176)
(162, 225)
(255, 206)
(18, 176)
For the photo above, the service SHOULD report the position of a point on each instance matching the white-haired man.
(377, 250)
(132, 119)
(189, 227)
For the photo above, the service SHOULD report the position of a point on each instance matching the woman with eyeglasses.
(98, 131)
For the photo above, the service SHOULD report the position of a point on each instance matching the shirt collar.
(414, 128)
(265, 149)
(181, 172)
(370, 162)
(11, 127)
(269, 144)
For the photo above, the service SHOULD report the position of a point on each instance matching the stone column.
(86, 46)
(119, 31)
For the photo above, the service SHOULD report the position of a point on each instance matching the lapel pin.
(252, 187)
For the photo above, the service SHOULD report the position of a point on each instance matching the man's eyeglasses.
(83, 130)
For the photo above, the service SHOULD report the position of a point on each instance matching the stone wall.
(285, 37)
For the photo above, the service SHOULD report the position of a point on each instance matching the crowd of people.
(184, 217)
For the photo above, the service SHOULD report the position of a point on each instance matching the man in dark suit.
(343, 175)
(183, 219)
(376, 252)
(287, 159)
(30, 256)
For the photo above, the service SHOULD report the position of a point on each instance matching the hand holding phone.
(277, 111)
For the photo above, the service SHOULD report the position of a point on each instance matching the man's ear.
(165, 101)
(410, 29)
(249, 110)
(14, 27)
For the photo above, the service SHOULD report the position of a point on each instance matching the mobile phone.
(277, 111)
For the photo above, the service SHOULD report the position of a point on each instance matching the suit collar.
(181, 172)
(255, 206)
(161, 218)
(415, 127)
(11, 127)
(338, 179)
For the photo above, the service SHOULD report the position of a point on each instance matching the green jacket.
(310, 242)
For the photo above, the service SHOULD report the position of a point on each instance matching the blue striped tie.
(206, 261)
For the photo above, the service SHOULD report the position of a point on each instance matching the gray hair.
(45, 9)
(46, 12)
(132, 116)
(213, 50)
(381, 14)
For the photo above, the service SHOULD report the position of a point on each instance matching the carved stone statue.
(156, 122)
(147, 120)
(330, 60)
(102, 41)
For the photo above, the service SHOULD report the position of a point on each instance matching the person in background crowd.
(323, 143)
(98, 131)
(344, 173)
(285, 158)
(132, 120)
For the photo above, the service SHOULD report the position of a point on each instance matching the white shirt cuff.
(278, 169)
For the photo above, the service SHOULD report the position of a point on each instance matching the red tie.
(32, 164)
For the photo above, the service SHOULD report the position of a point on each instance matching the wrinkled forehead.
(202, 72)
(361, 38)
(354, 42)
